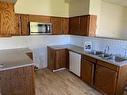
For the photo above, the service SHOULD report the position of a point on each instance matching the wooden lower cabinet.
(87, 71)
(19, 81)
(30, 54)
(105, 80)
(57, 58)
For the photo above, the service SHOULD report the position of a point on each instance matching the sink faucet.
(106, 50)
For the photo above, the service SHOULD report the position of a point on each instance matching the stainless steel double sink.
(108, 56)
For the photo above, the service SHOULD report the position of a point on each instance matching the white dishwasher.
(75, 63)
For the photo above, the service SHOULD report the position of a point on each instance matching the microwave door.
(41, 28)
(48, 28)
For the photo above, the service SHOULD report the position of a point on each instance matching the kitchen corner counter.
(80, 50)
(14, 58)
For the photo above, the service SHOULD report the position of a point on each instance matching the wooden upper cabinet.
(105, 80)
(7, 19)
(92, 25)
(25, 25)
(65, 25)
(74, 26)
(21, 25)
(83, 25)
(88, 25)
(39, 18)
(56, 25)
(17, 25)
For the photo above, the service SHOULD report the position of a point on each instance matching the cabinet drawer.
(108, 65)
(88, 58)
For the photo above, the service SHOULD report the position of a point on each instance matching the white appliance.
(75, 63)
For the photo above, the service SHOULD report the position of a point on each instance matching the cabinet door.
(88, 25)
(65, 25)
(92, 25)
(17, 25)
(105, 80)
(30, 55)
(87, 71)
(61, 59)
(51, 58)
(84, 26)
(24, 25)
(6, 19)
(74, 26)
(56, 25)
(18, 81)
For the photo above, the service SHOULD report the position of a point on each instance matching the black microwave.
(40, 28)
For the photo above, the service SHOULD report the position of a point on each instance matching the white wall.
(113, 21)
(95, 9)
(43, 7)
(38, 44)
(78, 7)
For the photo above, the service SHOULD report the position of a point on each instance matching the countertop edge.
(16, 67)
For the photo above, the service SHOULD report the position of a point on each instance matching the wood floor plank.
(61, 83)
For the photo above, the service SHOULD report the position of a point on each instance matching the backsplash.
(39, 44)
(116, 46)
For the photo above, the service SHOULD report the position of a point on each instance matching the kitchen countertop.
(14, 58)
(80, 50)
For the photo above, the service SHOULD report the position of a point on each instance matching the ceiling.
(120, 2)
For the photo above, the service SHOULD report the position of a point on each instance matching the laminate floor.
(61, 83)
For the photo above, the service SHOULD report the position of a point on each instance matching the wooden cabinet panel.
(17, 25)
(61, 59)
(88, 25)
(74, 26)
(92, 25)
(88, 58)
(87, 71)
(65, 25)
(6, 19)
(105, 80)
(30, 54)
(56, 25)
(24, 25)
(83, 25)
(18, 81)
(57, 58)
(39, 18)
(51, 58)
